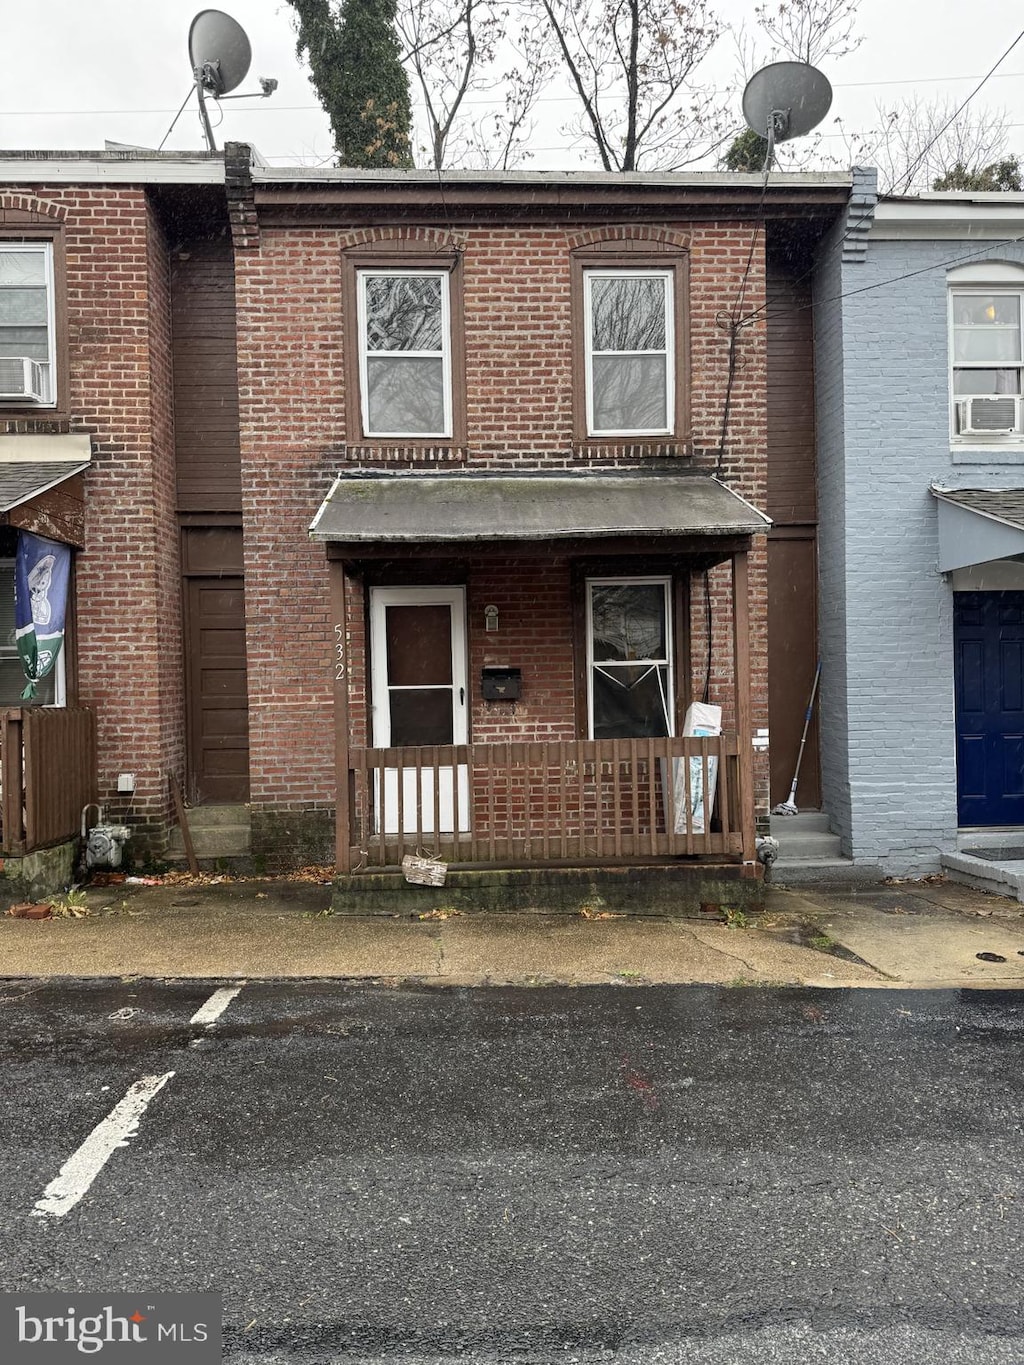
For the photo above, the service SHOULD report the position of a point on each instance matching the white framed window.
(51, 690)
(27, 323)
(630, 685)
(986, 353)
(630, 352)
(405, 352)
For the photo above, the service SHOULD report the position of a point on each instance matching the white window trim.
(60, 691)
(669, 660)
(364, 274)
(624, 272)
(51, 319)
(380, 687)
(994, 278)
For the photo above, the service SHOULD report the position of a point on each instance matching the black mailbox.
(502, 684)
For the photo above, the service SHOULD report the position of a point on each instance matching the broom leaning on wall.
(788, 807)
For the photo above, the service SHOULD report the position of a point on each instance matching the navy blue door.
(988, 642)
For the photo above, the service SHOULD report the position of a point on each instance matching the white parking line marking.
(216, 1005)
(82, 1168)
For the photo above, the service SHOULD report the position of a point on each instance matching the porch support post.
(741, 673)
(339, 666)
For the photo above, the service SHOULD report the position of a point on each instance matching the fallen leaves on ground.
(319, 874)
(185, 879)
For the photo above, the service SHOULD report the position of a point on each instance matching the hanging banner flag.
(42, 572)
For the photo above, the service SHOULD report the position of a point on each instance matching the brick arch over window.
(605, 418)
(436, 254)
(620, 235)
(24, 210)
(401, 240)
(994, 271)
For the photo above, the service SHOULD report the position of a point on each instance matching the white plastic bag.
(701, 719)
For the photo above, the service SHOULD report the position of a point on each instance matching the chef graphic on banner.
(41, 574)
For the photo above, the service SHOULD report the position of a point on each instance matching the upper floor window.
(630, 360)
(631, 344)
(405, 368)
(987, 353)
(27, 329)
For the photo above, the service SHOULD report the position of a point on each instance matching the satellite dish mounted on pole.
(785, 100)
(220, 54)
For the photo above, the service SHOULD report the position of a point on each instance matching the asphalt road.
(646, 1174)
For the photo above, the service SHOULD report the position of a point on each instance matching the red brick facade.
(515, 250)
(519, 375)
(118, 368)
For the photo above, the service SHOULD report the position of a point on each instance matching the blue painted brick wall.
(887, 713)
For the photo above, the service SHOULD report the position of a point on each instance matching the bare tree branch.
(810, 30)
(912, 148)
(466, 50)
(632, 64)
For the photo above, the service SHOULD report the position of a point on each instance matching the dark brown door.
(218, 718)
(792, 656)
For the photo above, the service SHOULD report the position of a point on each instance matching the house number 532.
(339, 653)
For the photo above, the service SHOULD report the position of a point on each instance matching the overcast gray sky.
(77, 72)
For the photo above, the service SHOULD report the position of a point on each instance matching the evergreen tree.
(354, 60)
(1002, 175)
(747, 152)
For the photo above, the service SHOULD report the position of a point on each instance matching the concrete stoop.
(1001, 879)
(219, 834)
(809, 852)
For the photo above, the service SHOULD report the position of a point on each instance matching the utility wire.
(956, 113)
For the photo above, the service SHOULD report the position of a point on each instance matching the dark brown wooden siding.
(792, 543)
(215, 665)
(791, 494)
(205, 378)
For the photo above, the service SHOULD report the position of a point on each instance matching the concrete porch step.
(806, 821)
(999, 878)
(217, 832)
(809, 853)
(805, 836)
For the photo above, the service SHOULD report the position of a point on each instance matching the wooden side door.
(792, 657)
(216, 701)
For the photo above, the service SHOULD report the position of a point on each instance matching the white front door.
(418, 681)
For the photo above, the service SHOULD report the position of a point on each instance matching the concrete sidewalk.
(909, 934)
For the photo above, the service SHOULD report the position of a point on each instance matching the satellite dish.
(786, 99)
(219, 51)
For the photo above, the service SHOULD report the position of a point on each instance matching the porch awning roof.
(978, 524)
(31, 465)
(481, 507)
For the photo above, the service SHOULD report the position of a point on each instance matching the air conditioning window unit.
(996, 416)
(22, 379)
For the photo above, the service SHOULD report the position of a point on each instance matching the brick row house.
(421, 519)
(919, 307)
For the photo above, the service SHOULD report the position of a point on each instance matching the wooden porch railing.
(547, 802)
(47, 774)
